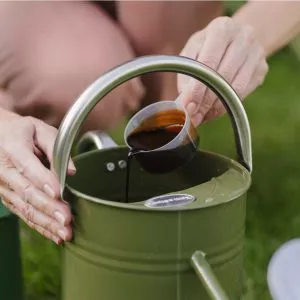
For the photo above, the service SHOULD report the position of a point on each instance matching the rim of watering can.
(139, 205)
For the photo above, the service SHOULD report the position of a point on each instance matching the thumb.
(189, 96)
(45, 136)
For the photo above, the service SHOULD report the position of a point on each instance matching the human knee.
(65, 55)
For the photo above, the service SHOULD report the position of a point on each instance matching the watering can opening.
(210, 178)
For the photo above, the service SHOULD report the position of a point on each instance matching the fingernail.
(49, 191)
(63, 233)
(71, 168)
(71, 172)
(56, 240)
(191, 108)
(71, 165)
(59, 217)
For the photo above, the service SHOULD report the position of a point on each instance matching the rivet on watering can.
(122, 164)
(110, 166)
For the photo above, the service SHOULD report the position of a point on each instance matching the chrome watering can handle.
(207, 277)
(157, 63)
(97, 139)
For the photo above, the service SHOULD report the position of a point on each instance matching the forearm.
(275, 24)
(156, 26)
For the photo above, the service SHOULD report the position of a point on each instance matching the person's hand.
(27, 187)
(230, 49)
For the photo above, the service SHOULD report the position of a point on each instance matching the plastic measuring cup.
(179, 150)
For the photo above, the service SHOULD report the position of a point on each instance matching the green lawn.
(273, 202)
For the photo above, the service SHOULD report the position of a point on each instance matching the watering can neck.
(159, 63)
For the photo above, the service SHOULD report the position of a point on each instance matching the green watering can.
(181, 236)
(11, 285)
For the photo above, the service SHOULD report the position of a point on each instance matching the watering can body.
(145, 249)
(123, 251)
(11, 287)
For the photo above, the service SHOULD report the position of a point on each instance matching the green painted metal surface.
(129, 251)
(3, 211)
(10, 261)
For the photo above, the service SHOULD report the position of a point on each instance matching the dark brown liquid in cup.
(155, 132)
(153, 138)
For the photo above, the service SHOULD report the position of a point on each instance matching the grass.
(273, 202)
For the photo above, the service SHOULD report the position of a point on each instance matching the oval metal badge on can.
(170, 200)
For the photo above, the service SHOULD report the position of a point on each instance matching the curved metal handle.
(157, 63)
(207, 277)
(97, 139)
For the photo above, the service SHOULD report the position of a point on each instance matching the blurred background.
(273, 201)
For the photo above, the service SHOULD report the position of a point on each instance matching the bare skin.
(51, 51)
